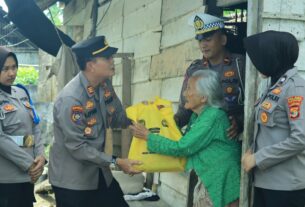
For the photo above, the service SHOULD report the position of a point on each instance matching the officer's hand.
(36, 169)
(233, 130)
(248, 161)
(139, 131)
(127, 165)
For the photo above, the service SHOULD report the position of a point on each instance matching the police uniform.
(20, 142)
(231, 71)
(279, 137)
(79, 168)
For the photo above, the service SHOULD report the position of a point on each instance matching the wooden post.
(126, 100)
(253, 26)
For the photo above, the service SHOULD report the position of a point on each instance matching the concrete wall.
(28, 58)
(156, 31)
(287, 16)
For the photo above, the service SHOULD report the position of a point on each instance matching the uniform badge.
(282, 80)
(198, 23)
(28, 141)
(277, 91)
(91, 122)
(89, 105)
(229, 89)
(264, 117)
(266, 105)
(9, 107)
(27, 104)
(229, 73)
(90, 90)
(294, 104)
(88, 131)
(107, 93)
(77, 113)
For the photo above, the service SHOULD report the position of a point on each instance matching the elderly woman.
(21, 147)
(278, 153)
(214, 157)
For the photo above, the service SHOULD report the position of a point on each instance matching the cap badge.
(198, 23)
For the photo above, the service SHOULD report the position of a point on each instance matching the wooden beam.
(44, 4)
(228, 3)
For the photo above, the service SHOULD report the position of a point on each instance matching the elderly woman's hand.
(139, 131)
(248, 161)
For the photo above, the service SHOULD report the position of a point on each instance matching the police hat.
(94, 47)
(205, 25)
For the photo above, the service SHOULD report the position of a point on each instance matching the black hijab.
(4, 53)
(272, 52)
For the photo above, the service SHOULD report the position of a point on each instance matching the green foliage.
(56, 13)
(27, 76)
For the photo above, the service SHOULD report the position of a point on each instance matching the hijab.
(273, 53)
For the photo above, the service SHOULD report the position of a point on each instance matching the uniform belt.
(25, 141)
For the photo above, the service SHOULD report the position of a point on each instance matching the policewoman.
(21, 147)
(212, 40)
(79, 169)
(277, 156)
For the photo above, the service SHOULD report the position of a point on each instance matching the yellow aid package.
(158, 117)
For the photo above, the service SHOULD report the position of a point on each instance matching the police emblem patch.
(88, 131)
(229, 73)
(294, 104)
(229, 89)
(264, 117)
(198, 23)
(76, 114)
(266, 105)
(89, 105)
(9, 107)
(91, 122)
(277, 91)
(90, 90)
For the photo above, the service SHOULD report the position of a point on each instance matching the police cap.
(205, 25)
(93, 47)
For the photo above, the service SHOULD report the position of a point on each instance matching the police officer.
(21, 147)
(212, 40)
(278, 153)
(87, 105)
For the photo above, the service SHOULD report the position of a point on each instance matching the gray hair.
(208, 84)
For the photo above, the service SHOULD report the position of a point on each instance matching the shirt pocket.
(266, 113)
(11, 119)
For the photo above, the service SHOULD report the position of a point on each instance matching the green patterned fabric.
(214, 157)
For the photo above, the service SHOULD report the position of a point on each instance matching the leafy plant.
(27, 76)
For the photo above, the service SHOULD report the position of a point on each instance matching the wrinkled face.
(103, 67)
(9, 72)
(212, 46)
(194, 101)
